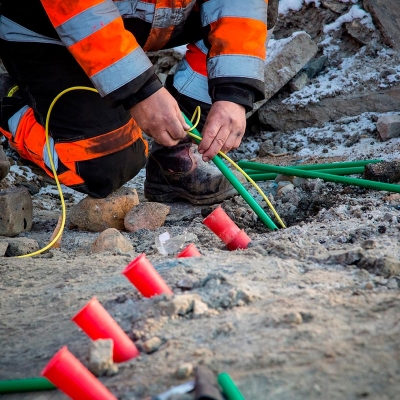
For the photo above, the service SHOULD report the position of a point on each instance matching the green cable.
(333, 178)
(229, 388)
(334, 171)
(238, 185)
(262, 167)
(25, 385)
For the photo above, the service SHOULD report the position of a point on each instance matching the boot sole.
(167, 194)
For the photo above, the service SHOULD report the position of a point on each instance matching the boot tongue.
(177, 159)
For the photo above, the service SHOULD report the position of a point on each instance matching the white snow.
(355, 12)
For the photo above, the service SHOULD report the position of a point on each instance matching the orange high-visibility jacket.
(98, 35)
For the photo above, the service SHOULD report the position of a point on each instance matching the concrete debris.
(113, 241)
(152, 345)
(181, 305)
(386, 16)
(15, 211)
(101, 358)
(96, 215)
(388, 126)
(388, 172)
(184, 371)
(386, 266)
(147, 215)
(19, 246)
(4, 164)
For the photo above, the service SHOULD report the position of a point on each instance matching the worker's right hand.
(160, 118)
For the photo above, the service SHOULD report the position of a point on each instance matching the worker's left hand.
(223, 130)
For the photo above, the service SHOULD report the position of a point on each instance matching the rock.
(335, 6)
(368, 244)
(314, 67)
(101, 358)
(344, 257)
(179, 304)
(4, 164)
(386, 266)
(369, 286)
(20, 246)
(388, 126)
(146, 216)
(266, 148)
(199, 308)
(285, 60)
(292, 318)
(3, 248)
(152, 345)
(386, 15)
(359, 31)
(96, 215)
(392, 284)
(386, 171)
(300, 81)
(15, 211)
(285, 189)
(185, 284)
(111, 240)
(287, 118)
(184, 371)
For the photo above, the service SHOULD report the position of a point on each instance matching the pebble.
(101, 358)
(184, 284)
(392, 284)
(368, 244)
(184, 371)
(199, 308)
(179, 304)
(293, 318)
(152, 345)
(20, 246)
(113, 241)
(148, 215)
(369, 286)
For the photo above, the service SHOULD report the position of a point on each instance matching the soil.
(306, 312)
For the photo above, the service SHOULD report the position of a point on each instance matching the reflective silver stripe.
(215, 9)
(191, 83)
(200, 44)
(235, 66)
(166, 17)
(13, 32)
(54, 154)
(14, 121)
(121, 72)
(136, 9)
(87, 22)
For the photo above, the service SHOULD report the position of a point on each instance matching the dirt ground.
(307, 312)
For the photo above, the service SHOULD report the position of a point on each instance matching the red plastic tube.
(222, 225)
(189, 251)
(145, 278)
(69, 375)
(97, 323)
(241, 241)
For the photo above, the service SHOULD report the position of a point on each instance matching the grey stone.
(266, 148)
(386, 266)
(3, 248)
(335, 6)
(20, 246)
(4, 164)
(388, 126)
(113, 241)
(392, 284)
(359, 31)
(15, 211)
(287, 118)
(101, 358)
(314, 67)
(283, 64)
(184, 371)
(152, 345)
(344, 257)
(386, 15)
(300, 81)
(148, 215)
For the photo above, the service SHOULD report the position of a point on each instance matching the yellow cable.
(53, 168)
(198, 111)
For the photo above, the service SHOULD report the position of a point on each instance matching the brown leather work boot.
(180, 173)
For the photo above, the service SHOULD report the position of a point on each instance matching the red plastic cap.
(241, 241)
(97, 323)
(69, 375)
(189, 251)
(222, 225)
(145, 278)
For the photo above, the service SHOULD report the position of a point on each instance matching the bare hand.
(223, 129)
(160, 118)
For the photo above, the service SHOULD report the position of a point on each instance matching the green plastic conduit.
(333, 171)
(312, 167)
(238, 185)
(333, 178)
(25, 385)
(229, 388)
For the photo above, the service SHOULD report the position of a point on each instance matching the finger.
(233, 141)
(165, 139)
(175, 129)
(217, 144)
(210, 132)
(185, 126)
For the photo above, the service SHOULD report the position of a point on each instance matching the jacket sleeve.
(235, 33)
(94, 33)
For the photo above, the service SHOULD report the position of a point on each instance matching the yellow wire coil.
(197, 114)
